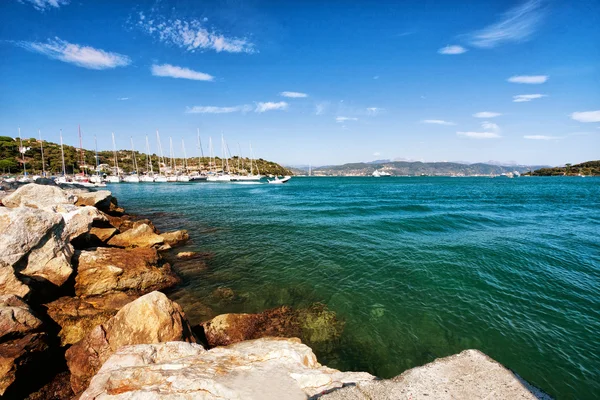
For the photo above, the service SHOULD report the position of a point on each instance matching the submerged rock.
(38, 196)
(468, 375)
(128, 270)
(315, 325)
(260, 369)
(141, 235)
(78, 316)
(16, 318)
(150, 319)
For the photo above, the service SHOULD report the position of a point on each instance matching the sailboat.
(63, 178)
(115, 177)
(252, 176)
(149, 177)
(133, 178)
(42, 151)
(184, 177)
(173, 176)
(160, 178)
(96, 179)
(22, 150)
(199, 176)
(221, 177)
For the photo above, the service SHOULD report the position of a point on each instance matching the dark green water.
(419, 268)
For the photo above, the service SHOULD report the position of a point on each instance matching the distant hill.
(588, 168)
(417, 168)
(11, 161)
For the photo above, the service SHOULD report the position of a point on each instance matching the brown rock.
(175, 238)
(140, 236)
(58, 388)
(37, 196)
(79, 220)
(78, 316)
(102, 234)
(10, 284)
(122, 223)
(140, 222)
(16, 318)
(18, 355)
(184, 255)
(315, 325)
(101, 199)
(128, 270)
(150, 319)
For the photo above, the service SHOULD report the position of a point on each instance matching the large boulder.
(17, 357)
(100, 199)
(79, 220)
(10, 284)
(267, 368)
(175, 238)
(50, 260)
(77, 316)
(16, 318)
(315, 325)
(150, 319)
(23, 228)
(141, 235)
(468, 375)
(38, 196)
(108, 269)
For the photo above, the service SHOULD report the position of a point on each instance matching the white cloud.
(321, 107)
(372, 111)
(437, 122)
(376, 77)
(479, 135)
(530, 79)
(172, 71)
(520, 98)
(486, 114)
(490, 126)
(123, 98)
(452, 50)
(540, 137)
(377, 154)
(217, 110)
(293, 95)
(270, 106)
(82, 56)
(516, 25)
(344, 119)
(42, 5)
(191, 35)
(586, 116)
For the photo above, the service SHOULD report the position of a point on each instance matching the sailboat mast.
(133, 157)
(211, 155)
(184, 162)
(115, 155)
(171, 154)
(96, 156)
(22, 151)
(147, 155)
(62, 154)
(161, 157)
(201, 151)
(81, 156)
(42, 150)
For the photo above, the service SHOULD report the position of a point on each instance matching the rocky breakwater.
(70, 259)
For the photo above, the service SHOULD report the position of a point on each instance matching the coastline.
(96, 311)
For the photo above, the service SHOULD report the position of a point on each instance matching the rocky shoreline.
(82, 316)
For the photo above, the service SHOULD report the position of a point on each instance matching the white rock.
(38, 196)
(268, 368)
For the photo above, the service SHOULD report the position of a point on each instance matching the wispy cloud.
(172, 71)
(344, 119)
(586, 116)
(321, 107)
(373, 111)
(42, 5)
(540, 137)
(490, 126)
(82, 56)
(437, 122)
(217, 110)
(531, 79)
(191, 35)
(451, 50)
(521, 98)
(515, 25)
(293, 95)
(377, 154)
(479, 135)
(486, 114)
(262, 107)
(123, 98)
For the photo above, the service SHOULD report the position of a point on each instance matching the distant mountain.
(417, 168)
(378, 162)
(588, 168)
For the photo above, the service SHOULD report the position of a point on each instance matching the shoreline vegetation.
(82, 315)
(11, 159)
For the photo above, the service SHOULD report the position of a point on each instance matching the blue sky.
(310, 82)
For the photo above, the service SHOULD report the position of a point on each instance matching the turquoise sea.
(418, 268)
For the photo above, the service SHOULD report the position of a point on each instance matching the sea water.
(417, 267)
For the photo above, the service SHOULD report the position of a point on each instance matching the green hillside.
(588, 168)
(11, 161)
